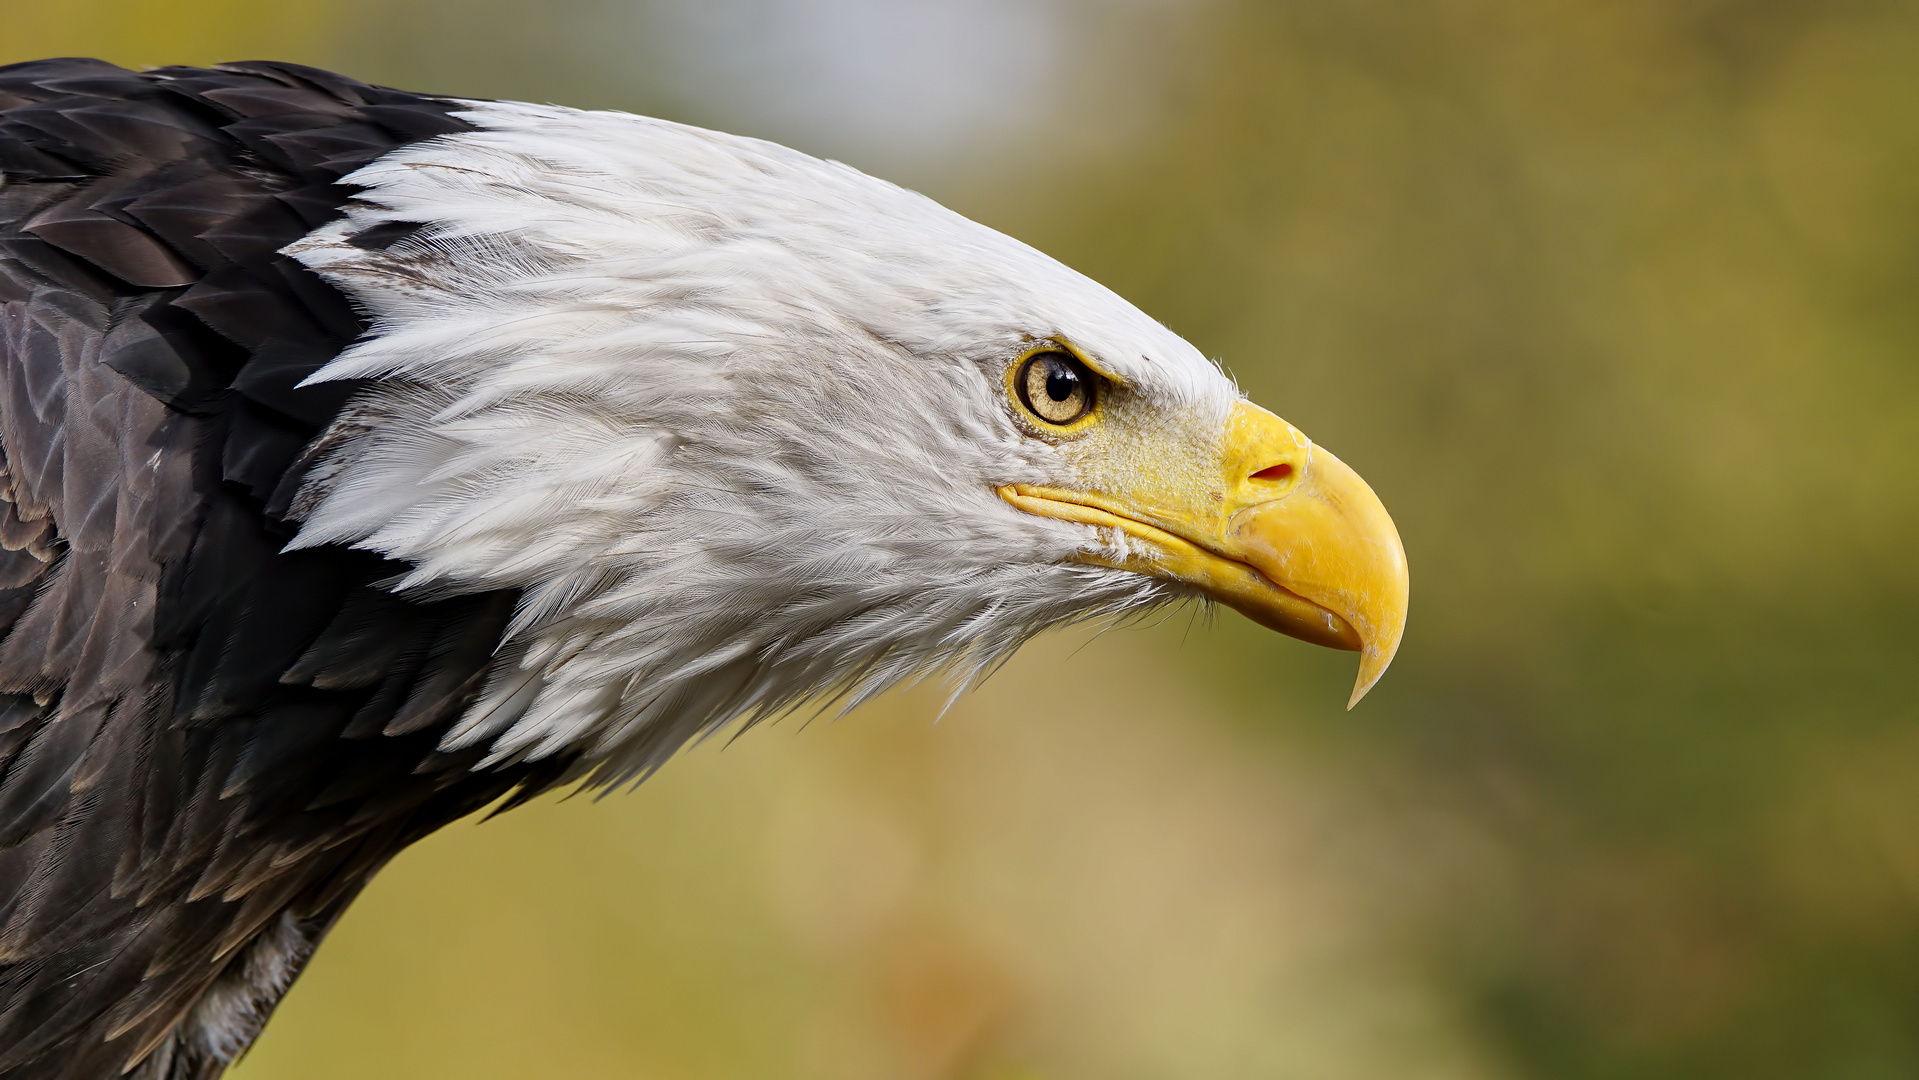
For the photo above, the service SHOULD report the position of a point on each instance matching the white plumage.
(731, 416)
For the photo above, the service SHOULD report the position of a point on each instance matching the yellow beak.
(1284, 532)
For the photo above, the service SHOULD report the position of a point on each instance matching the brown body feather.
(206, 746)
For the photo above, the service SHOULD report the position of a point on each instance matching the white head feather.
(731, 418)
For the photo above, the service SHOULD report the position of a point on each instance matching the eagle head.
(743, 427)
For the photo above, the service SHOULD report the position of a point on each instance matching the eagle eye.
(1055, 387)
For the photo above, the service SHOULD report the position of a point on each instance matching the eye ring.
(1055, 387)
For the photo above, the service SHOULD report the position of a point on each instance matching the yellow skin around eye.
(1039, 371)
(1092, 373)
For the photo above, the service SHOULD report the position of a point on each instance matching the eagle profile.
(369, 458)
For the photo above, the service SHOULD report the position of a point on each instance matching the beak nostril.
(1275, 472)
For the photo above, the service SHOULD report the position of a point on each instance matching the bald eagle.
(370, 458)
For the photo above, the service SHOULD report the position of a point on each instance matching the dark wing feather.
(206, 746)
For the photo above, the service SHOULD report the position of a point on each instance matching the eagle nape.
(370, 458)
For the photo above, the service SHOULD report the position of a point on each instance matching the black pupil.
(1061, 381)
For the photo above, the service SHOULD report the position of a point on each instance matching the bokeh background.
(1616, 304)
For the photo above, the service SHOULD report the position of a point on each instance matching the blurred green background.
(1615, 303)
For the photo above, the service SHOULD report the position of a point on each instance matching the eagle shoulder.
(207, 744)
